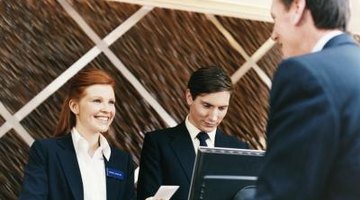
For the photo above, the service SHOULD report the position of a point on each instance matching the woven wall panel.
(103, 16)
(249, 34)
(13, 154)
(2, 120)
(41, 122)
(268, 63)
(36, 35)
(247, 116)
(166, 47)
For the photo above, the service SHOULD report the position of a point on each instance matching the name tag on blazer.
(115, 173)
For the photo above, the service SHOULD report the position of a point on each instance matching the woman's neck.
(91, 138)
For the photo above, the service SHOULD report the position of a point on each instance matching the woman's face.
(95, 110)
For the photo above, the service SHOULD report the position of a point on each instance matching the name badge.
(114, 173)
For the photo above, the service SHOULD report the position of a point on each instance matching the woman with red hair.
(79, 163)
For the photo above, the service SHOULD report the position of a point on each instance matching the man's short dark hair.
(327, 14)
(209, 79)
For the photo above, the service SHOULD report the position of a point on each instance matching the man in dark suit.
(314, 121)
(168, 155)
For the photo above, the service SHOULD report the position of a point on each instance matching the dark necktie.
(202, 136)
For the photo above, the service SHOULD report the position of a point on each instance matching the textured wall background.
(39, 41)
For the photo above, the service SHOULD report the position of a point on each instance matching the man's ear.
(298, 11)
(188, 97)
(74, 106)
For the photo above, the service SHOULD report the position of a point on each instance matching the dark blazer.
(53, 172)
(314, 126)
(167, 158)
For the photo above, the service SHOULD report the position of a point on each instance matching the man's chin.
(208, 129)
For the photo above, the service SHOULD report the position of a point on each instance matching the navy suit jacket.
(167, 158)
(53, 172)
(314, 126)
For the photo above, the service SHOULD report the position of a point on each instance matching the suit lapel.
(111, 189)
(184, 149)
(220, 139)
(70, 166)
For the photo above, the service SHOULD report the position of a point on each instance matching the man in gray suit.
(314, 122)
(168, 155)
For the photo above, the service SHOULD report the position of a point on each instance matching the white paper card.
(165, 192)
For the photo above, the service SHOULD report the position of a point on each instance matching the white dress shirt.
(92, 168)
(193, 130)
(323, 40)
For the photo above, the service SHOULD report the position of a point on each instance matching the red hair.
(76, 88)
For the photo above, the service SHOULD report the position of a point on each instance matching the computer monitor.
(219, 173)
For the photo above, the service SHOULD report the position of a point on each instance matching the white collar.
(193, 130)
(324, 39)
(81, 143)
